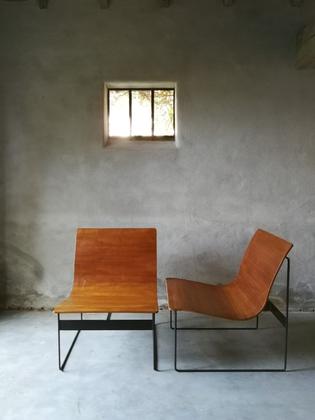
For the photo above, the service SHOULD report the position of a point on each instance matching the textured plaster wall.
(2, 207)
(246, 138)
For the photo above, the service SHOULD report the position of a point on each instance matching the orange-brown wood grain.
(115, 271)
(246, 295)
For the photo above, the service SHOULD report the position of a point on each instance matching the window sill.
(141, 143)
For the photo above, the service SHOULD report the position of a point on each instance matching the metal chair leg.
(155, 348)
(62, 365)
(287, 314)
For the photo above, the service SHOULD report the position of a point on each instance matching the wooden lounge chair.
(244, 298)
(114, 272)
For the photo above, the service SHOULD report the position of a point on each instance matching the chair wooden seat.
(115, 271)
(125, 297)
(246, 295)
(222, 301)
(241, 299)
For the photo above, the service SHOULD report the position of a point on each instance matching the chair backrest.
(259, 267)
(115, 254)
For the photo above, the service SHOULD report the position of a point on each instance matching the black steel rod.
(229, 370)
(277, 313)
(62, 366)
(216, 329)
(69, 351)
(59, 357)
(102, 324)
(287, 315)
(175, 343)
(212, 328)
(109, 315)
(155, 348)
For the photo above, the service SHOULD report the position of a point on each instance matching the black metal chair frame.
(105, 324)
(283, 319)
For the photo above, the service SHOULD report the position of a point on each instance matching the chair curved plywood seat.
(246, 295)
(114, 271)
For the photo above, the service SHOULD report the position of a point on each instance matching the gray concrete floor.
(109, 374)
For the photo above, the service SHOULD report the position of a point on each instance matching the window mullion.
(130, 112)
(152, 111)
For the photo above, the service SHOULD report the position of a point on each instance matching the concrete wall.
(2, 206)
(246, 135)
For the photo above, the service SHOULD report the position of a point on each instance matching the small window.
(141, 114)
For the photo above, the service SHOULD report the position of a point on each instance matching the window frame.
(129, 89)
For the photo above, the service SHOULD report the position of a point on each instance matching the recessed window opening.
(141, 113)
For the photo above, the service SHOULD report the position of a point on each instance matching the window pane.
(119, 121)
(141, 124)
(164, 113)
